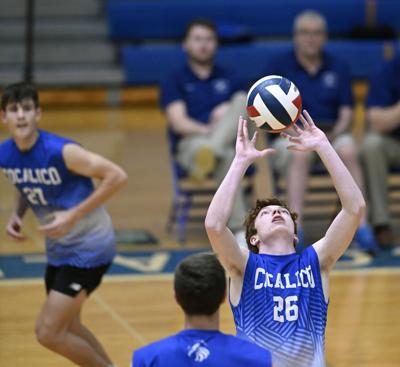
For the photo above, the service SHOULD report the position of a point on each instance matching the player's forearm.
(220, 209)
(349, 193)
(21, 205)
(112, 182)
(384, 119)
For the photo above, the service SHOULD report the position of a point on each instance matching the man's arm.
(14, 224)
(181, 123)
(384, 119)
(85, 163)
(343, 122)
(342, 229)
(222, 240)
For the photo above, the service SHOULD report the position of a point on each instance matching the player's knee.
(46, 336)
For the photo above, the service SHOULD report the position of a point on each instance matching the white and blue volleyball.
(274, 103)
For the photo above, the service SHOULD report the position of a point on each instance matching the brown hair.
(251, 218)
(202, 22)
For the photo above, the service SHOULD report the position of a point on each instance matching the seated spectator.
(200, 288)
(325, 87)
(202, 102)
(381, 147)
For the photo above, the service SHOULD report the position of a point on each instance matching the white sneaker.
(241, 239)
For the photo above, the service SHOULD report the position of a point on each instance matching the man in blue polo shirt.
(325, 86)
(381, 147)
(200, 288)
(202, 102)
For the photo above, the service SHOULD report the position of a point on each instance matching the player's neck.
(201, 70)
(202, 322)
(28, 142)
(277, 246)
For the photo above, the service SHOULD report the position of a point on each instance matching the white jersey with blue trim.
(283, 309)
(43, 179)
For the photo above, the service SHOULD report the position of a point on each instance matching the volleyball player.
(200, 289)
(279, 299)
(53, 176)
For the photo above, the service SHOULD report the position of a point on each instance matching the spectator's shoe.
(366, 240)
(300, 246)
(384, 236)
(204, 164)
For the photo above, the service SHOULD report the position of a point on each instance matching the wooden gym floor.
(130, 311)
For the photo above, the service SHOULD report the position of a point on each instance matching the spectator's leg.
(378, 152)
(376, 165)
(346, 148)
(297, 179)
(239, 208)
(225, 130)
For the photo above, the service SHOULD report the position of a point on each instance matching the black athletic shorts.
(70, 280)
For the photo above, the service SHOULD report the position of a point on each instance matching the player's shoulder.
(54, 142)
(152, 350)
(6, 149)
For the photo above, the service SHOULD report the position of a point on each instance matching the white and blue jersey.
(42, 178)
(283, 309)
(205, 348)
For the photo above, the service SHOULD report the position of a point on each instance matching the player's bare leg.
(82, 331)
(52, 330)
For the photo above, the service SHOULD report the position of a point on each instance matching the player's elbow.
(212, 225)
(358, 208)
(120, 178)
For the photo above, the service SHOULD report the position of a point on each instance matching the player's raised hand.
(62, 222)
(14, 226)
(245, 147)
(309, 137)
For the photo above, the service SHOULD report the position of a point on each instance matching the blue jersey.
(42, 178)
(205, 348)
(283, 309)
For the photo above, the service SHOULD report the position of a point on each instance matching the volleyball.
(274, 103)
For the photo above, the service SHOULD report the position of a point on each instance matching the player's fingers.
(15, 234)
(245, 130)
(267, 151)
(240, 126)
(254, 138)
(285, 135)
(303, 121)
(297, 129)
(309, 120)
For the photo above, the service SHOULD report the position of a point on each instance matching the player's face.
(21, 119)
(201, 44)
(273, 220)
(309, 37)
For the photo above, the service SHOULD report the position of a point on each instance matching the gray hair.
(309, 15)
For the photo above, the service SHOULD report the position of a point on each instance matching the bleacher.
(148, 33)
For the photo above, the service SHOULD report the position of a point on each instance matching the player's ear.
(38, 114)
(254, 240)
(296, 239)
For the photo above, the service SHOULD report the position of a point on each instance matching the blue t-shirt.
(43, 179)
(201, 96)
(282, 307)
(202, 348)
(384, 90)
(323, 93)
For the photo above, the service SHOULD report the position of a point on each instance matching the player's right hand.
(13, 228)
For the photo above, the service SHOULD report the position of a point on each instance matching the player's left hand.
(62, 222)
(309, 138)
